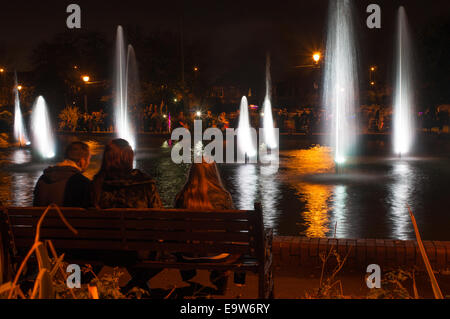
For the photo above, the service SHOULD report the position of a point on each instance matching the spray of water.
(341, 78)
(20, 133)
(269, 132)
(403, 98)
(121, 90)
(245, 141)
(42, 132)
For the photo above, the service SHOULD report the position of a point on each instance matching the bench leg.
(266, 284)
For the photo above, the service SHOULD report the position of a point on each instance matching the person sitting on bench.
(204, 190)
(64, 184)
(118, 185)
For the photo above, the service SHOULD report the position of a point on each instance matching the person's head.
(117, 157)
(79, 153)
(203, 178)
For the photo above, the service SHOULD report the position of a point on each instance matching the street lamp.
(195, 68)
(372, 75)
(316, 57)
(85, 79)
(19, 87)
(2, 70)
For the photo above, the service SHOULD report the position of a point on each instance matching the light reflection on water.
(399, 197)
(303, 196)
(315, 216)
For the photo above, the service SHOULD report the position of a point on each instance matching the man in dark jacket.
(64, 184)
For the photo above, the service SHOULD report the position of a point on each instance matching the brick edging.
(303, 251)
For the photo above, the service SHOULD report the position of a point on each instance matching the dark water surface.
(303, 196)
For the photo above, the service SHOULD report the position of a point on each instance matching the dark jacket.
(131, 190)
(63, 185)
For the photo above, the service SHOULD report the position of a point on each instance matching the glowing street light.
(2, 70)
(19, 87)
(199, 113)
(85, 78)
(196, 69)
(372, 69)
(372, 83)
(316, 57)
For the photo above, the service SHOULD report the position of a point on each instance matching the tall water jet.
(20, 133)
(42, 131)
(269, 131)
(341, 78)
(403, 96)
(121, 87)
(244, 132)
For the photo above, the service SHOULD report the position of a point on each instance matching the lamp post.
(85, 79)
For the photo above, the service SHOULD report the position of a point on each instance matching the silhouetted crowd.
(156, 119)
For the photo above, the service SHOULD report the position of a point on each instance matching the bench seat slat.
(201, 248)
(177, 235)
(200, 265)
(62, 244)
(229, 225)
(50, 233)
(53, 221)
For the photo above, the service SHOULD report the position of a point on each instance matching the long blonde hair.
(203, 179)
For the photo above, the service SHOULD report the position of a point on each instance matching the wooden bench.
(237, 232)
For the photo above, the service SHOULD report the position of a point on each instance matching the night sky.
(232, 32)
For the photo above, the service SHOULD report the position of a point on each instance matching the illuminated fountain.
(244, 132)
(403, 101)
(341, 79)
(20, 133)
(121, 90)
(269, 131)
(43, 141)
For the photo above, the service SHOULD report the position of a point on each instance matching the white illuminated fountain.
(269, 131)
(43, 141)
(20, 133)
(123, 127)
(403, 95)
(244, 132)
(341, 79)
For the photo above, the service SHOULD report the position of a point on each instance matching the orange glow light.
(316, 57)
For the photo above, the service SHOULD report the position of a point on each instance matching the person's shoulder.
(79, 178)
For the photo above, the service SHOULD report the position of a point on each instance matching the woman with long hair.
(204, 190)
(117, 184)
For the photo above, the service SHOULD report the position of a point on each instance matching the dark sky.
(233, 32)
